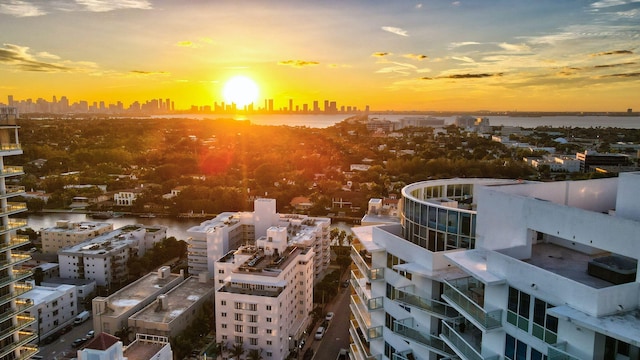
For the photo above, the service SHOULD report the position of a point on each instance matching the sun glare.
(240, 90)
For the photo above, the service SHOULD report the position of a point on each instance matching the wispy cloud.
(395, 30)
(463, 59)
(298, 63)
(614, 65)
(380, 54)
(471, 76)
(20, 58)
(110, 5)
(418, 6)
(454, 45)
(415, 56)
(187, 43)
(21, 9)
(615, 52)
(519, 48)
(149, 73)
(624, 75)
(603, 4)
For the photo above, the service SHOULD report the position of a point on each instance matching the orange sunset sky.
(545, 55)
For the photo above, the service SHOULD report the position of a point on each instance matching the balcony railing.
(11, 171)
(10, 312)
(12, 190)
(13, 224)
(24, 337)
(558, 352)
(27, 351)
(18, 289)
(23, 322)
(358, 350)
(15, 259)
(457, 297)
(16, 275)
(16, 241)
(432, 306)
(13, 208)
(405, 329)
(461, 347)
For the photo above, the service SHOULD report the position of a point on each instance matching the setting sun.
(240, 90)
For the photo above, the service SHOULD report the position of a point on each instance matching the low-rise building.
(85, 288)
(176, 309)
(68, 233)
(108, 347)
(104, 258)
(111, 314)
(54, 307)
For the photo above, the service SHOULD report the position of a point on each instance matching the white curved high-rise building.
(501, 269)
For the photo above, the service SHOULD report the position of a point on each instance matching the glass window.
(510, 347)
(513, 300)
(523, 308)
(539, 310)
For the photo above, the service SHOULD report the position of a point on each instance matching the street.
(61, 347)
(336, 336)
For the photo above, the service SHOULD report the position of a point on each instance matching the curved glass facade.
(440, 215)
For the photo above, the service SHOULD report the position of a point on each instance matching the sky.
(467, 55)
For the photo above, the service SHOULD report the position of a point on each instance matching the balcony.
(11, 171)
(467, 347)
(20, 307)
(13, 224)
(23, 322)
(11, 149)
(405, 328)
(12, 190)
(361, 314)
(24, 337)
(15, 259)
(18, 289)
(27, 352)
(360, 346)
(459, 294)
(16, 241)
(558, 352)
(437, 308)
(16, 275)
(405, 355)
(13, 208)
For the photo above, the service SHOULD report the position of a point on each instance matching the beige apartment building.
(173, 311)
(68, 233)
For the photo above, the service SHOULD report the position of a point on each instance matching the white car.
(329, 316)
(90, 334)
(319, 333)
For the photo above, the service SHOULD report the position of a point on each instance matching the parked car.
(78, 342)
(90, 334)
(329, 316)
(319, 333)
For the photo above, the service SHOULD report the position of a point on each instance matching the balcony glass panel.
(558, 352)
(457, 295)
(436, 307)
(461, 346)
(404, 328)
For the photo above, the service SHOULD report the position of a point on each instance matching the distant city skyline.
(63, 104)
(458, 55)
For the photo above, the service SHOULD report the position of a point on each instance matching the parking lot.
(61, 348)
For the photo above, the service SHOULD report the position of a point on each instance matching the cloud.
(615, 52)
(298, 63)
(603, 4)
(380, 54)
(515, 47)
(148, 73)
(415, 56)
(110, 5)
(20, 58)
(187, 43)
(21, 9)
(418, 6)
(624, 75)
(463, 58)
(454, 45)
(471, 76)
(395, 30)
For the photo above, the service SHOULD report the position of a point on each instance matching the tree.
(255, 354)
(236, 351)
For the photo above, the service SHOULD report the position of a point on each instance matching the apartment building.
(541, 271)
(54, 307)
(214, 238)
(68, 233)
(104, 258)
(176, 309)
(15, 339)
(266, 295)
(111, 314)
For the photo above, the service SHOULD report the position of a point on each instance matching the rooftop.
(65, 226)
(104, 243)
(178, 300)
(565, 262)
(269, 265)
(143, 349)
(134, 293)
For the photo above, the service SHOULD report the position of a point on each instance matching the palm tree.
(255, 354)
(237, 351)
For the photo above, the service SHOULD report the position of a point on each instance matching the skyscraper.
(14, 336)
